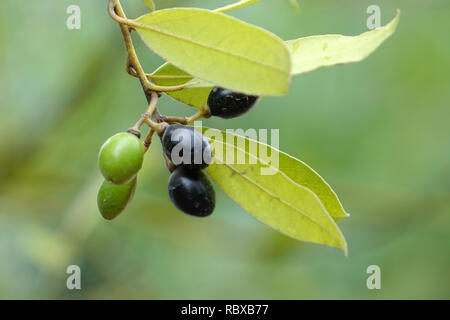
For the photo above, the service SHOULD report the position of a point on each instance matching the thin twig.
(204, 112)
(148, 140)
(116, 12)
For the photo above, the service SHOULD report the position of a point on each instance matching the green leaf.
(236, 5)
(150, 4)
(315, 52)
(195, 95)
(294, 199)
(219, 49)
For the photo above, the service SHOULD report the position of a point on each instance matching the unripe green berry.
(112, 199)
(121, 158)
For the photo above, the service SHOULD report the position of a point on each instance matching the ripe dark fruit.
(186, 147)
(121, 158)
(191, 192)
(228, 104)
(112, 199)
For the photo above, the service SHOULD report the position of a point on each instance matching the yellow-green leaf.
(150, 4)
(315, 52)
(236, 5)
(295, 5)
(219, 49)
(294, 199)
(195, 95)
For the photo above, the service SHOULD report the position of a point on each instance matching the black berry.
(228, 104)
(191, 192)
(186, 147)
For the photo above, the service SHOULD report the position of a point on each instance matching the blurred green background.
(377, 131)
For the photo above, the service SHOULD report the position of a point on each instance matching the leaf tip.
(395, 21)
(343, 246)
(150, 4)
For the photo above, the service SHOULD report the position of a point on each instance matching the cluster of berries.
(187, 152)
